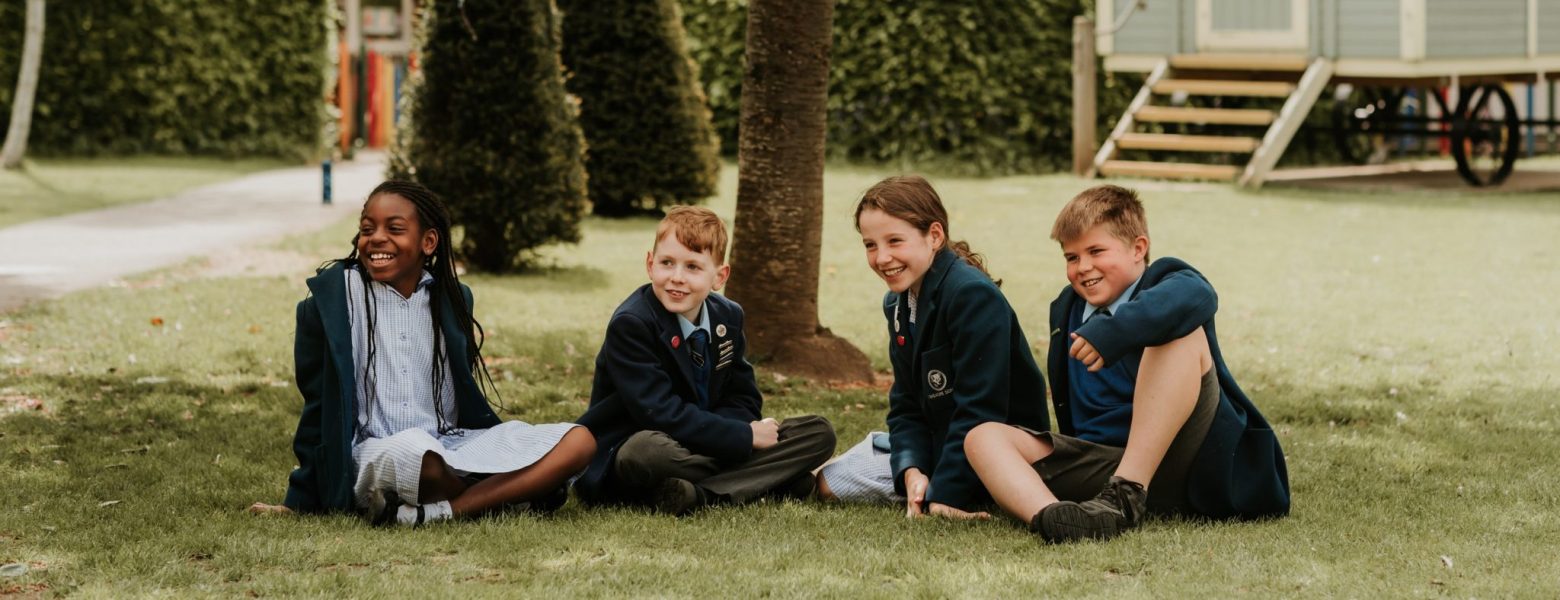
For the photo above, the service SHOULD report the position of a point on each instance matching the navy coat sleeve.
(645, 390)
(979, 339)
(1175, 306)
(309, 358)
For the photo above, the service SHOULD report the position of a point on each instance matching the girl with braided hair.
(394, 423)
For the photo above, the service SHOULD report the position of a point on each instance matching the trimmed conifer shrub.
(492, 130)
(641, 106)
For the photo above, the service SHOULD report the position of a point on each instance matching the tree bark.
(779, 224)
(26, 89)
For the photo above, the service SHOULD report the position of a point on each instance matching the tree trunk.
(26, 88)
(779, 225)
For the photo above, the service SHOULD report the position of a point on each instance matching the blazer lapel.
(330, 297)
(926, 305)
(670, 330)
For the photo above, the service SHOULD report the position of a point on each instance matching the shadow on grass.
(547, 278)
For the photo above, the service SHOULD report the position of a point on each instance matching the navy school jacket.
(967, 363)
(644, 383)
(1240, 470)
(322, 357)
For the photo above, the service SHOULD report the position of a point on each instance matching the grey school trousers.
(649, 457)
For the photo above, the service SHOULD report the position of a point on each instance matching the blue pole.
(325, 172)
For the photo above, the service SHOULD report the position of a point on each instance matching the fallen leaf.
(107, 503)
(157, 321)
(1446, 561)
(254, 329)
(152, 380)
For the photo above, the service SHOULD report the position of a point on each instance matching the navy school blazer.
(322, 357)
(642, 382)
(967, 363)
(1239, 472)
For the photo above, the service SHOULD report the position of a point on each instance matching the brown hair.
(1115, 207)
(696, 228)
(910, 198)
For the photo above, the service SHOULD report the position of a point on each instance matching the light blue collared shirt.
(704, 322)
(1089, 309)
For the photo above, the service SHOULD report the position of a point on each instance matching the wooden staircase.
(1295, 79)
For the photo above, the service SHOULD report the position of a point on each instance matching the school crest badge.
(937, 380)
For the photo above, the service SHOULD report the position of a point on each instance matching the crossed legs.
(438, 482)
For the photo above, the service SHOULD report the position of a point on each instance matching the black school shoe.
(550, 503)
(678, 497)
(385, 515)
(1118, 508)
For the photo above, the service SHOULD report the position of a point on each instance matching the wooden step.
(1161, 170)
(1216, 116)
(1219, 87)
(1188, 143)
(1240, 62)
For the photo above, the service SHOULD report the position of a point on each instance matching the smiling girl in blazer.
(959, 358)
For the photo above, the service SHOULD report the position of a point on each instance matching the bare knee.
(985, 439)
(1190, 350)
(578, 447)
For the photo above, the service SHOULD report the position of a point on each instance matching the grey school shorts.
(1077, 469)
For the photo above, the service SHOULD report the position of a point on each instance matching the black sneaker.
(1118, 508)
(385, 513)
(678, 497)
(801, 487)
(550, 503)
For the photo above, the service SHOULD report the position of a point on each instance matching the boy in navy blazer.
(1150, 418)
(674, 405)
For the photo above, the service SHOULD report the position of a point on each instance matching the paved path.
(51, 257)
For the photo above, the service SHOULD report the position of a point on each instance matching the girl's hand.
(943, 510)
(261, 508)
(915, 492)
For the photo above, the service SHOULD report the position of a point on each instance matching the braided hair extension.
(431, 214)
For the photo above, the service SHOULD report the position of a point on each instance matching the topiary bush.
(978, 87)
(641, 106)
(492, 130)
(173, 77)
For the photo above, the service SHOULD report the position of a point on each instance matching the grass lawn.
(54, 187)
(1403, 346)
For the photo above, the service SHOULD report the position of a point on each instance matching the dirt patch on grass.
(254, 262)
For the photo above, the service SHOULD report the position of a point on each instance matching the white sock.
(438, 511)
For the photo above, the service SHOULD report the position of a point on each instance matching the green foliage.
(981, 87)
(173, 77)
(492, 131)
(641, 107)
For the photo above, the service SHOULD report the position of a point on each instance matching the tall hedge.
(492, 130)
(982, 87)
(641, 105)
(174, 77)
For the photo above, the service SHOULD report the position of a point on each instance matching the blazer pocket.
(937, 374)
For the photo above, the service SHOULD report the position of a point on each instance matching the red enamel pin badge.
(676, 341)
(901, 340)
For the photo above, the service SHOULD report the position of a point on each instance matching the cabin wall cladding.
(1251, 14)
(1487, 28)
(1365, 28)
(1150, 30)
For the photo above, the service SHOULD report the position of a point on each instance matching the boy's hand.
(1084, 351)
(915, 492)
(261, 508)
(943, 510)
(766, 433)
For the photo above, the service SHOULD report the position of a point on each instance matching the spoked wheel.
(1485, 134)
(1363, 122)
